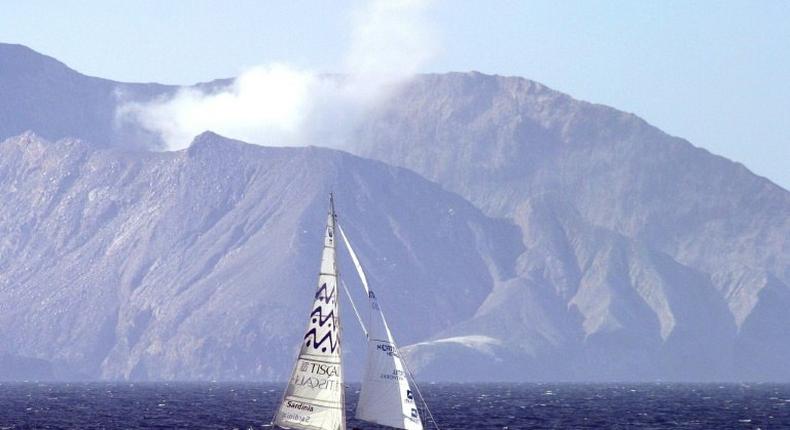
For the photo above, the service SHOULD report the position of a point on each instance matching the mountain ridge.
(622, 253)
(133, 260)
(501, 142)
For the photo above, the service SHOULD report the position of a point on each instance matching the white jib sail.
(314, 398)
(385, 397)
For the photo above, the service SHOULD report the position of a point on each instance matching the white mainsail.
(314, 398)
(385, 397)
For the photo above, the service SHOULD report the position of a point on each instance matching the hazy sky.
(715, 73)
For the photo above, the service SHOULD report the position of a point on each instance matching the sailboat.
(315, 396)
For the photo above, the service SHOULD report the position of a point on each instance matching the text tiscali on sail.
(315, 396)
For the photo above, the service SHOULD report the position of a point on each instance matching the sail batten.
(314, 397)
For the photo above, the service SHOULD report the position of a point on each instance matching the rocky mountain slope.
(623, 224)
(199, 264)
(603, 249)
(42, 94)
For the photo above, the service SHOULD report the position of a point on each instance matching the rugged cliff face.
(42, 94)
(602, 248)
(199, 264)
(637, 234)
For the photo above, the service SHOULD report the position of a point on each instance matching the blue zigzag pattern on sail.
(318, 317)
(316, 344)
(321, 294)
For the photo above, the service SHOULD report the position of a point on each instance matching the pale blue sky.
(715, 73)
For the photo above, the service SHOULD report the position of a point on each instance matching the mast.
(315, 397)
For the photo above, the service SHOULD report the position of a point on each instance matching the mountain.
(42, 94)
(198, 264)
(637, 234)
(553, 239)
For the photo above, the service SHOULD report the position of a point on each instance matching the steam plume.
(277, 104)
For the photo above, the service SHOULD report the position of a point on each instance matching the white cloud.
(280, 105)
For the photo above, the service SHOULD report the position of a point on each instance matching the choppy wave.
(455, 406)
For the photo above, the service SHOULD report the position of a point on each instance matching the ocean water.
(455, 406)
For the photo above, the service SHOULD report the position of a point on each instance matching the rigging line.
(354, 306)
(354, 258)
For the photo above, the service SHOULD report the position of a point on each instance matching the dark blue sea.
(455, 406)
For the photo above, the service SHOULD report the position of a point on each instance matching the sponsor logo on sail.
(290, 416)
(387, 349)
(395, 375)
(320, 369)
(299, 405)
(316, 383)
